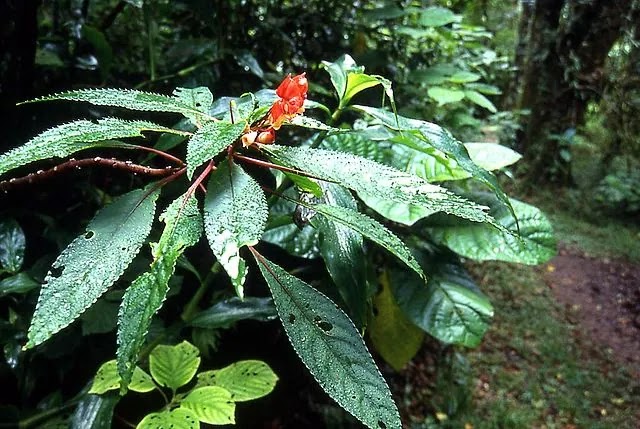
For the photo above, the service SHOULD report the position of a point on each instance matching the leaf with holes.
(246, 379)
(235, 215)
(209, 141)
(66, 139)
(332, 349)
(369, 177)
(12, 244)
(199, 99)
(92, 263)
(174, 366)
(183, 228)
(107, 378)
(180, 418)
(212, 404)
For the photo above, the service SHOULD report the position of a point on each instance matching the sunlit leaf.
(246, 379)
(211, 404)
(174, 366)
(445, 95)
(179, 418)
(107, 378)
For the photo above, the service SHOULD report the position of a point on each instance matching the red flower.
(292, 92)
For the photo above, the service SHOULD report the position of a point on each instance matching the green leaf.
(406, 214)
(92, 263)
(480, 100)
(447, 307)
(136, 3)
(18, 283)
(331, 348)
(358, 82)
(392, 334)
(100, 318)
(138, 100)
(338, 71)
(174, 366)
(445, 95)
(409, 153)
(342, 250)
(183, 228)
(212, 404)
(12, 244)
(436, 16)
(308, 122)
(356, 144)
(535, 243)
(107, 378)
(371, 229)
(484, 88)
(434, 136)
(464, 77)
(209, 141)
(180, 418)
(492, 156)
(246, 380)
(303, 242)
(305, 184)
(66, 139)
(94, 412)
(235, 215)
(229, 311)
(369, 177)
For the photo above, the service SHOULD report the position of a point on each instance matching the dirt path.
(603, 296)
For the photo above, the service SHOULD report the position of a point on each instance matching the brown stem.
(160, 153)
(277, 167)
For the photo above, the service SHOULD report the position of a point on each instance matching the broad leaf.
(371, 178)
(174, 366)
(308, 122)
(18, 283)
(92, 263)
(209, 141)
(464, 77)
(533, 245)
(212, 404)
(338, 71)
(480, 100)
(246, 379)
(94, 412)
(199, 99)
(406, 214)
(356, 144)
(448, 307)
(229, 311)
(235, 214)
(436, 16)
(183, 228)
(331, 348)
(492, 156)
(180, 418)
(66, 139)
(100, 318)
(107, 378)
(12, 244)
(445, 95)
(392, 334)
(303, 243)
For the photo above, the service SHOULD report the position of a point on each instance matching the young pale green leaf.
(92, 263)
(338, 72)
(66, 139)
(183, 228)
(209, 141)
(107, 378)
(94, 412)
(533, 245)
(434, 136)
(371, 229)
(180, 418)
(235, 215)
(371, 178)
(184, 100)
(447, 307)
(492, 156)
(229, 311)
(331, 348)
(246, 379)
(12, 245)
(358, 82)
(342, 249)
(174, 366)
(480, 100)
(436, 16)
(212, 404)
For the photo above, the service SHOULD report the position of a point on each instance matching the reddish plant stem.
(277, 167)
(77, 164)
(160, 153)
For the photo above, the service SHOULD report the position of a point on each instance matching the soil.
(602, 296)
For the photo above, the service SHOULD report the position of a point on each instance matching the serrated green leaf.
(174, 366)
(66, 139)
(445, 95)
(371, 178)
(107, 378)
(92, 263)
(331, 348)
(235, 215)
(180, 418)
(183, 228)
(12, 245)
(231, 310)
(246, 380)
(392, 334)
(130, 99)
(371, 229)
(447, 307)
(212, 404)
(356, 144)
(533, 245)
(480, 100)
(18, 283)
(94, 412)
(209, 141)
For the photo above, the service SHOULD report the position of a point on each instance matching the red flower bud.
(291, 87)
(292, 92)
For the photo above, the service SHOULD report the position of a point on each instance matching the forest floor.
(564, 347)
